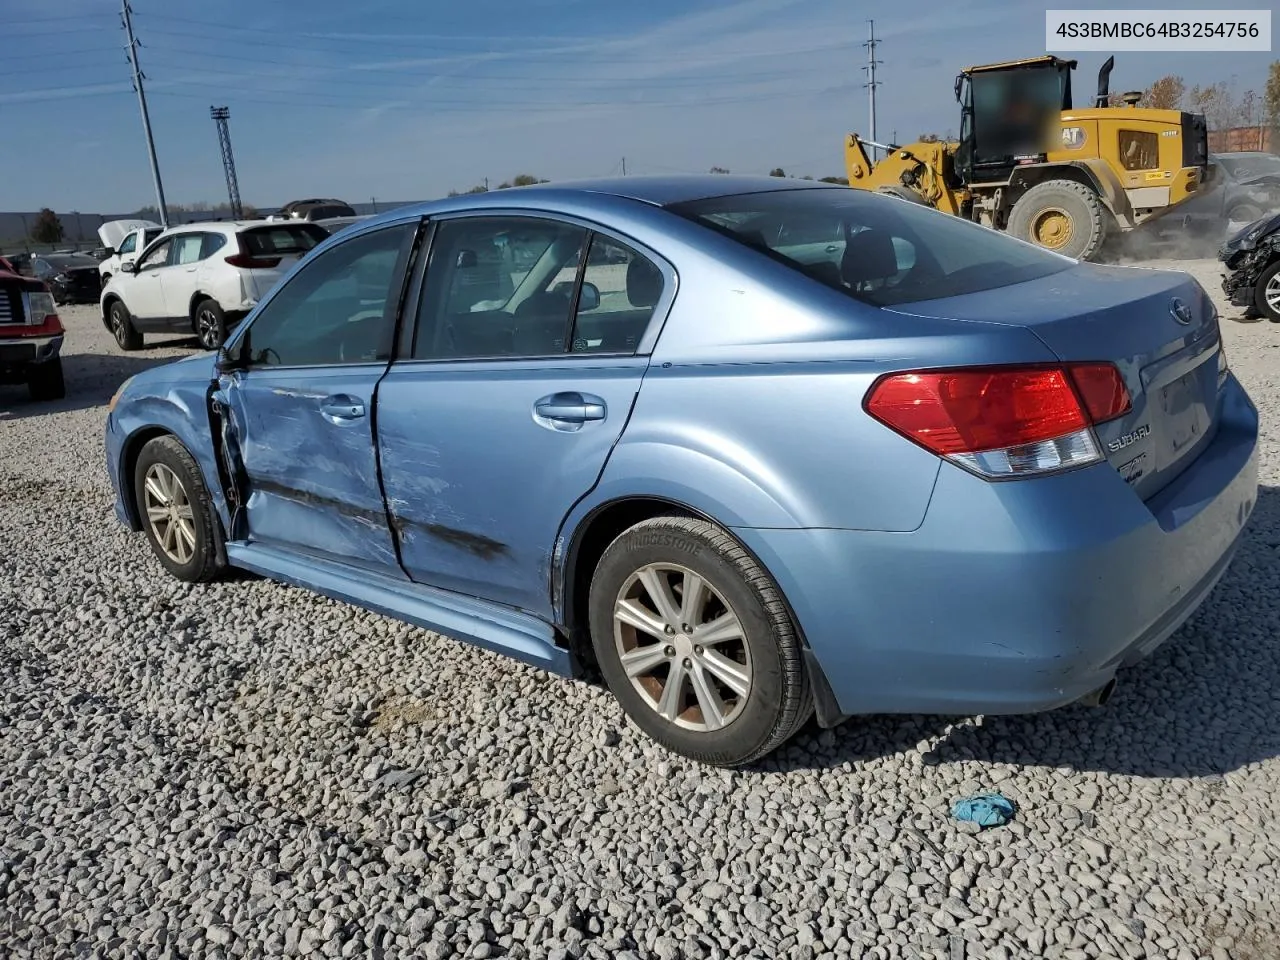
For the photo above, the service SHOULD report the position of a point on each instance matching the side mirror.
(465, 259)
(233, 359)
(129, 266)
(589, 297)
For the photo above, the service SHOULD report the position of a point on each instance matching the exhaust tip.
(1099, 697)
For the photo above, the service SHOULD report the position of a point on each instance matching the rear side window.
(213, 242)
(877, 249)
(187, 247)
(282, 239)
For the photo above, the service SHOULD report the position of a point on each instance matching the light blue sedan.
(749, 449)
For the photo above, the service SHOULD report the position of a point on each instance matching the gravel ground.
(246, 769)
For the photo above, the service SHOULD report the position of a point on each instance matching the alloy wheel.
(169, 513)
(117, 323)
(682, 647)
(207, 328)
(1271, 293)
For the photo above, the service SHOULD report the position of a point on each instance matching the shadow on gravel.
(1205, 703)
(91, 379)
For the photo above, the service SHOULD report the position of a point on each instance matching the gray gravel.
(246, 769)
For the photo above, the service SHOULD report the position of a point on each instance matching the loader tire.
(1063, 216)
(903, 193)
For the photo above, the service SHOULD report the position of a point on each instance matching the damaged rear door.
(519, 384)
(299, 405)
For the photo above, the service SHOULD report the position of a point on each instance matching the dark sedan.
(72, 277)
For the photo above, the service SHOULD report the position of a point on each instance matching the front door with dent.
(524, 370)
(301, 409)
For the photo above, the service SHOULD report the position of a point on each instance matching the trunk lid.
(1158, 327)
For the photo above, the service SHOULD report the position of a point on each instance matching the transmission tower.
(222, 116)
(872, 83)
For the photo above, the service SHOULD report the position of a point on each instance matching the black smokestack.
(1104, 83)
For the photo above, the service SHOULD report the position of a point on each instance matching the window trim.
(647, 342)
(411, 252)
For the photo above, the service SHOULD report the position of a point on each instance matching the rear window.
(880, 250)
(284, 238)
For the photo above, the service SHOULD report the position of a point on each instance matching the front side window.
(889, 251)
(157, 256)
(499, 287)
(129, 243)
(187, 248)
(340, 308)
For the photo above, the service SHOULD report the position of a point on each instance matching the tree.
(777, 172)
(1271, 101)
(719, 170)
(928, 138)
(525, 180)
(1217, 102)
(1165, 94)
(47, 228)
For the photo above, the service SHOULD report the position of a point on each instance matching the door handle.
(341, 408)
(570, 408)
(832, 248)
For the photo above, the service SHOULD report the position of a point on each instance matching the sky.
(407, 99)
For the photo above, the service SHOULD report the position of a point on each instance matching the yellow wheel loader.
(1029, 163)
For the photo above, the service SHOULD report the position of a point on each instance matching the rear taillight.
(251, 262)
(1003, 422)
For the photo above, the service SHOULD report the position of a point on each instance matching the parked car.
(1252, 259)
(931, 470)
(71, 277)
(125, 240)
(31, 336)
(334, 224)
(202, 278)
(315, 209)
(1242, 187)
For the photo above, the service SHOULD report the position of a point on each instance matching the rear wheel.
(210, 324)
(694, 640)
(45, 380)
(176, 511)
(1266, 293)
(1243, 213)
(127, 337)
(1063, 216)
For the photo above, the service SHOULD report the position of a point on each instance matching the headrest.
(644, 282)
(868, 255)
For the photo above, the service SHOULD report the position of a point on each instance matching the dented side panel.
(307, 480)
(477, 483)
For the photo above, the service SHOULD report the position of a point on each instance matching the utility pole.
(374, 201)
(222, 117)
(872, 83)
(624, 166)
(126, 12)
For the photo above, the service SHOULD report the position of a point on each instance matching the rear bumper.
(1016, 597)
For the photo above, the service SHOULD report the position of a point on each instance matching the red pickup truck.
(30, 335)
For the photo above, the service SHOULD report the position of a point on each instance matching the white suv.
(202, 278)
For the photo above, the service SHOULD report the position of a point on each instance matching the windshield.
(877, 249)
(1246, 168)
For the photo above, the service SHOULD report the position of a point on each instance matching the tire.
(121, 325)
(191, 551)
(764, 656)
(209, 324)
(1066, 214)
(1244, 213)
(1266, 293)
(45, 381)
(903, 193)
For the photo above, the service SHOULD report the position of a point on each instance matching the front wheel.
(126, 335)
(694, 640)
(1063, 216)
(210, 324)
(176, 510)
(1266, 293)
